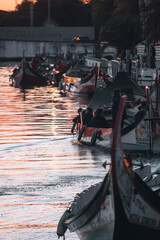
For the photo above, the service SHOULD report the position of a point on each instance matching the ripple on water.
(42, 167)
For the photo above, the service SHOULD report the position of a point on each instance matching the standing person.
(115, 105)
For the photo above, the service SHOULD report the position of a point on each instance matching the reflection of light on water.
(42, 168)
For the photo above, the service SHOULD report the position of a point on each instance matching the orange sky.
(8, 5)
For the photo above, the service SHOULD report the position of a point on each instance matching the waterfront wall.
(14, 42)
(16, 49)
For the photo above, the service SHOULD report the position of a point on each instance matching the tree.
(101, 13)
(119, 22)
(62, 12)
(23, 13)
(151, 30)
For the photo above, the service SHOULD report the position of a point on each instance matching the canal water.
(42, 165)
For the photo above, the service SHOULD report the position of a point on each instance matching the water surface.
(42, 165)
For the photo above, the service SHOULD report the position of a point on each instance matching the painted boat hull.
(79, 85)
(134, 199)
(96, 219)
(103, 137)
(27, 78)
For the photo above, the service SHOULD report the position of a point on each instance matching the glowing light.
(10, 5)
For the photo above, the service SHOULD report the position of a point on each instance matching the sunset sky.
(8, 5)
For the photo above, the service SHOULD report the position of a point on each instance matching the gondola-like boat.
(25, 77)
(135, 123)
(140, 130)
(84, 81)
(136, 193)
(78, 81)
(91, 214)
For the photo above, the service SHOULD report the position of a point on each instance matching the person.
(35, 62)
(87, 115)
(115, 105)
(98, 120)
(78, 117)
(60, 66)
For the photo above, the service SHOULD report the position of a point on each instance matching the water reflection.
(42, 166)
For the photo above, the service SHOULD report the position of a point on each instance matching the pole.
(31, 13)
(48, 12)
(150, 122)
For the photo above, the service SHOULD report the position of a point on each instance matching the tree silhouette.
(118, 23)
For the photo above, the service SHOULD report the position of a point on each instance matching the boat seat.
(154, 181)
(144, 172)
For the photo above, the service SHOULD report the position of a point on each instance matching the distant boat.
(83, 81)
(136, 193)
(25, 77)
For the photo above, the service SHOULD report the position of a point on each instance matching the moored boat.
(81, 81)
(25, 77)
(136, 193)
(91, 214)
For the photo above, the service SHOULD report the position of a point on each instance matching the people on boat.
(60, 67)
(87, 115)
(98, 120)
(77, 119)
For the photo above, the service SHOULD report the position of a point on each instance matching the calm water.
(42, 166)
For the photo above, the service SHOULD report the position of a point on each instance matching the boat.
(134, 123)
(140, 130)
(84, 80)
(78, 81)
(102, 97)
(136, 192)
(93, 135)
(91, 214)
(58, 71)
(25, 77)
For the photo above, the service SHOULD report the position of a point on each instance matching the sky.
(8, 5)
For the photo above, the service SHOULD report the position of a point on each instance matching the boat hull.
(27, 77)
(104, 231)
(96, 219)
(133, 196)
(89, 135)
